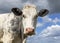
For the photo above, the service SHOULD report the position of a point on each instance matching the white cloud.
(56, 20)
(43, 4)
(50, 35)
(6, 5)
(48, 19)
(51, 31)
(39, 24)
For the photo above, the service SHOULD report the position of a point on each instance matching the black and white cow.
(29, 19)
(10, 26)
(17, 25)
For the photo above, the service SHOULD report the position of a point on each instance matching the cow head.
(30, 18)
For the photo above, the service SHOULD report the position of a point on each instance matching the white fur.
(8, 23)
(29, 21)
(7, 33)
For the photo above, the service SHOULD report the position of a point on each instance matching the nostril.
(26, 29)
(29, 29)
(33, 30)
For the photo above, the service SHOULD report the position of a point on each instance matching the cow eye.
(24, 16)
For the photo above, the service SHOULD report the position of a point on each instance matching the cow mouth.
(30, 34)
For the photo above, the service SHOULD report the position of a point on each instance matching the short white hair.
(29, 6)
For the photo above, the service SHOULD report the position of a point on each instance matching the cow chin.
(30, 34)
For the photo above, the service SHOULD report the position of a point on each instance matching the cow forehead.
(29, 6)
(29, 10)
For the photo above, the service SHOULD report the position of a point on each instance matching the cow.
(29, 19)
(16, 26)
(10, 26)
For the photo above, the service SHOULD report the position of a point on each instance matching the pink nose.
(29, 31)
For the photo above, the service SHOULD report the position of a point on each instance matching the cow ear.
(16, 11)
(43, 12)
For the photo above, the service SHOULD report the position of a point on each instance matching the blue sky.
(48, 29)
(46, 22)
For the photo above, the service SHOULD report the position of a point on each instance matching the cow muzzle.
(30, 31)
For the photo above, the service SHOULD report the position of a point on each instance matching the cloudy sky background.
(48, 27)
(52, 5)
